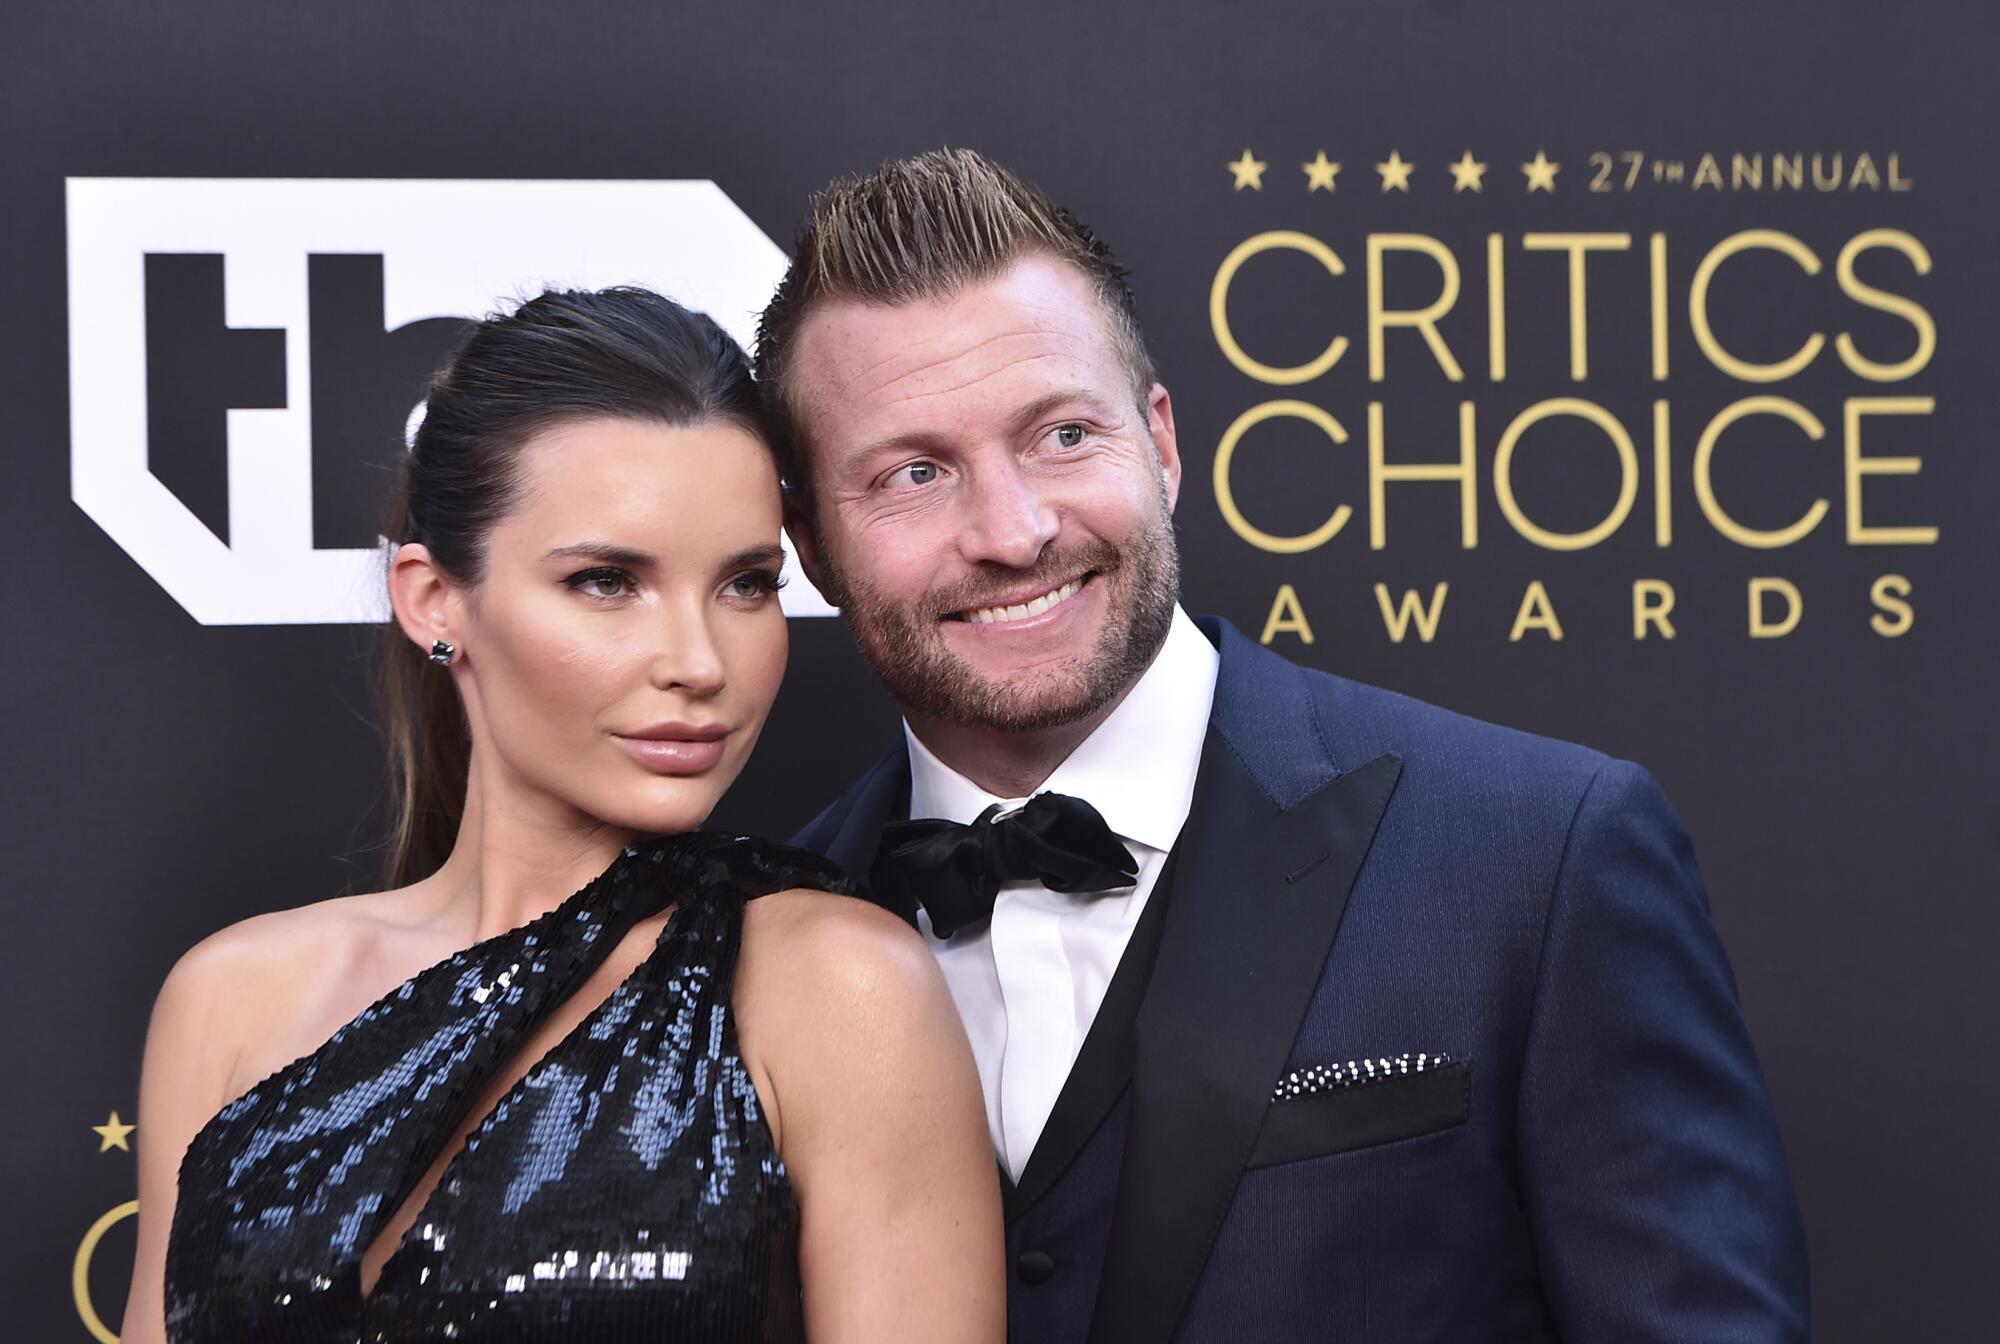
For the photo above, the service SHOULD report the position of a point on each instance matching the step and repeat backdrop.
(1623, 373)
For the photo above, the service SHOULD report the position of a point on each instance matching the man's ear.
(805, 545)
(1160, 421)
(421, 593)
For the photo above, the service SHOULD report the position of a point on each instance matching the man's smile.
(1023, 607)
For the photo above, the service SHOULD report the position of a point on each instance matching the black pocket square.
(1338, 1108)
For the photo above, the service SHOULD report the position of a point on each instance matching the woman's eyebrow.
(756, 555)
(604, 551)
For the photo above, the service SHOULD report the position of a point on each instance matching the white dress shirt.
(1028, 983)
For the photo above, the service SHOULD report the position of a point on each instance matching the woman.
(655, 1108)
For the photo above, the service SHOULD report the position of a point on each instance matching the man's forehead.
(1039, 319)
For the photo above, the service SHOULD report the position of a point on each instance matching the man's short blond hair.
(919, 229)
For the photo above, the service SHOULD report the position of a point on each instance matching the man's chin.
(1021, 703)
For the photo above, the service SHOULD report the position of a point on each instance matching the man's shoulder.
(1365, 712)
(818, 834)
(1444, 752)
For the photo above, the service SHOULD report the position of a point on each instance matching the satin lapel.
(1103, 1067)
(1257, 902)
(879, 797)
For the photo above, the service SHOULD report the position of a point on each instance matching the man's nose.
(1007, 521)
(686, 657)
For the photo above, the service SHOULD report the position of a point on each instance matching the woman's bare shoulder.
(237, 991)
(278, 946)
(824, 950)
(834, 990)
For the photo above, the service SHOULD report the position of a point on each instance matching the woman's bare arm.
(877, 1105)
(191, 1047)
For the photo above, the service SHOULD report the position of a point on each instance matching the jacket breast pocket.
(1339, 1120)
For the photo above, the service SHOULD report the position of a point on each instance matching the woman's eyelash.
(769, 580)
(602, 574)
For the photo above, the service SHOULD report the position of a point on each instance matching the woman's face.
(624, 645)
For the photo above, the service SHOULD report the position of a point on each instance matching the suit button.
(1035, 1267)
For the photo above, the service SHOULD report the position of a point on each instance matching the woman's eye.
(603, 583)
(754, 584)
(1069, 436)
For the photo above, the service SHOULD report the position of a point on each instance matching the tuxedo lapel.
(1103, 1067)
(1271, 848)
(877, 798)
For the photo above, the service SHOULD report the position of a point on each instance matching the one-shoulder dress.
(626, 1188)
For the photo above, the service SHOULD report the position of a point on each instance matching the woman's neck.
(518, 856)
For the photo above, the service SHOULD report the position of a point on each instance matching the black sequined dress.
(626, 1188)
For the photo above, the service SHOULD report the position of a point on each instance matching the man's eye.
(919, 473)
(1069, 436)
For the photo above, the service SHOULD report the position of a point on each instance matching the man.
(1351, 1018)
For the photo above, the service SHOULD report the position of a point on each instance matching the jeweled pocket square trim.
(1354, 1073)
(1365, 1112)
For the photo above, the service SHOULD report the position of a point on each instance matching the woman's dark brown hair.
(567, 355)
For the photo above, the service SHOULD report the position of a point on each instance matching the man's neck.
(1007, 765)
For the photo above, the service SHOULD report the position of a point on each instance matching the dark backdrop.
(170, 770)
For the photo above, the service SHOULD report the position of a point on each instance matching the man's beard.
(906, 644)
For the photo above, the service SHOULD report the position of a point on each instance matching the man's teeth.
(990, 615)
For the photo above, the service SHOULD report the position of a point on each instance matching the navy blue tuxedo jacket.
(1362, 876)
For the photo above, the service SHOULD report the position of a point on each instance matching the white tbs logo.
(244, 354)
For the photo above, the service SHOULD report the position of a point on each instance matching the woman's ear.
(420, 593)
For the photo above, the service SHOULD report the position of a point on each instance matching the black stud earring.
(441, 652)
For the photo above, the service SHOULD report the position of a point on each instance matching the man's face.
(994, 503)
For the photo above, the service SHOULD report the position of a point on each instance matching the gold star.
(1319, 173)
(1465, 174)
(1249, 172)
(1541, 173)
(113, 1134)
(1395, 173)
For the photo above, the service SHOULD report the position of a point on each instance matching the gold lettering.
(1577, 245)
(1788, 170)
(1408, 608)
(1883, 301)
(1536, 613)
(1704, 335)
(1225, 496)
(1287, 617)
(1858, 532)
(1707, 173)
(1628, 468)
(1381, 318)
(1760, 626)
(1380, 473)
(1658, 268)
(1828, 180)
(1496, 309)
(1704, 480)
(1864, 174)
(1652, 602)
(1218, 307)
(1897, 182)
(1663, 486)
(1746, 171)
(1896, 616)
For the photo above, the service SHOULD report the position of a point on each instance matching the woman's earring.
(441, 652)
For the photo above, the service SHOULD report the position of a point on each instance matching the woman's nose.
(688, 658)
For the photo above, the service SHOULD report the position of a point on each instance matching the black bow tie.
(953, 871)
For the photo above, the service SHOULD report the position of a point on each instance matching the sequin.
(625, 1188)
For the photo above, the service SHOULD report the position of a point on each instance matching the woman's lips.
(674, 755)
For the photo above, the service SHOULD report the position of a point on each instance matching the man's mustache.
(1052, 570)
